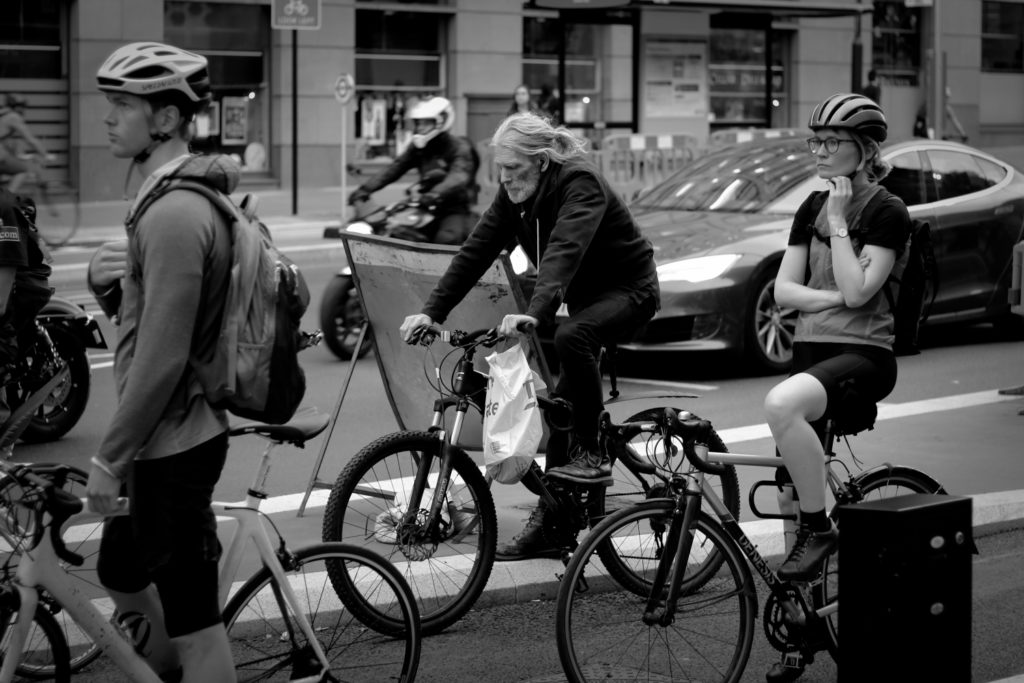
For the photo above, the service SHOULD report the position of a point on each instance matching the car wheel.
(769, 328)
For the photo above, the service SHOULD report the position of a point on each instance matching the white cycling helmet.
(148, 68)
(437, 109)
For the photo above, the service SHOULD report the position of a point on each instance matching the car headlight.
(697, 269)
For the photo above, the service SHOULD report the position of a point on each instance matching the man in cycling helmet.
(433, 148)
(15, 136)
(833, 272)
(589, 254)
(165, 286)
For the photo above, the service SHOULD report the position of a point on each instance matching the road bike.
(57, 211)
(681, 617)
(419, 499)
(285, 622)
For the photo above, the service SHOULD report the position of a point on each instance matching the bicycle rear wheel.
(58, 212)
(447, 570)
(81, 540)
(632, 486)
(874, 485)
(267, 643)
(601, 633)
(44, 650)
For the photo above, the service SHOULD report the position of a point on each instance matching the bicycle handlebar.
(694, 433)
(42, 495)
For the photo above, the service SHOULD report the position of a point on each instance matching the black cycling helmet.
(853, 112)
(13, 99)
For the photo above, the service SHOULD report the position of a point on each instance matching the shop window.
(738, 78)
(31, 44)
(236, 40)
(399, 58)
(896, 42)
(1002, 37)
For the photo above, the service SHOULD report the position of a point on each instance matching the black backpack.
(916, 283)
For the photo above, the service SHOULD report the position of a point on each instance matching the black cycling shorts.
(170, 536)
(868, 370)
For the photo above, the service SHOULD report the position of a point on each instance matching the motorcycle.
(47, 387)
(341, 313)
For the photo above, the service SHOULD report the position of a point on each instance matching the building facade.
(648, 66)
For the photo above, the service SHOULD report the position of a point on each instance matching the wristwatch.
(841, 232)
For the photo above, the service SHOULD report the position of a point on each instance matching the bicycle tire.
(45, 648)
(601, 634)
(81, 647)
(726, 485)
(873, 485)
(58, 212)
(265, 647)
(66, 404)
(448, 575)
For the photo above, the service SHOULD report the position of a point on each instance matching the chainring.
(776, 630)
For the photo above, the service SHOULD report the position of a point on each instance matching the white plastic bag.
(512, 420)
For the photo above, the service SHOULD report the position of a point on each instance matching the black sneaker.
(528, 543)
(586, 467)
(809, 551)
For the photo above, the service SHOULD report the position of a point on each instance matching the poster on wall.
(208, 122)
(374, 113)
(234, 120)
(675, 78)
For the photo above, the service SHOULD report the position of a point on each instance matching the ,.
(719, 229)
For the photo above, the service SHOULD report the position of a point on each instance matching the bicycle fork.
(668, 577)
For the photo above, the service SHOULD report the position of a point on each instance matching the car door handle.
(1004, 209)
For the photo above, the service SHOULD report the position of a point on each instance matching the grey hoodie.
(168, 304)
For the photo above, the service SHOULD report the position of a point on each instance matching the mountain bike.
(284, 623)
(419, 499)
(58, 211)
(677, 620)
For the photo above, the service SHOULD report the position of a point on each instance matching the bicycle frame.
(41, 568)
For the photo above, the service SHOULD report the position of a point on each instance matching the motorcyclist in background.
(433, 147)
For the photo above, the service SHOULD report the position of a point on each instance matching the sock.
(816, 521)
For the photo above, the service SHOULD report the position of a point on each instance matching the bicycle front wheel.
(447, 568)
(602, 634)
(58, 212)
(874, 485)
(83, 541)
(44, 650)
(631, 486)
(268, 643)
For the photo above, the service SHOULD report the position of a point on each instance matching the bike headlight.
(697, 269)
(360, 227)
(519, 260)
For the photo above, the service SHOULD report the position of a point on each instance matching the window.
(31, 39)
(235, 39)
(896, 42)
(905, 179)
(738, 79)
(1002, 37)
(956, 174)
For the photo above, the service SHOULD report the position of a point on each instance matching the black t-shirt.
(888, 226)
(19, 244)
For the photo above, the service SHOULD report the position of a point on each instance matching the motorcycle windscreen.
(394, 278)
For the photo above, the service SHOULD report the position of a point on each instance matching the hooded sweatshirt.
(168, 306)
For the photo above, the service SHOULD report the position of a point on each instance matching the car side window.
(906, 179)
(956, 174)
(993, 171)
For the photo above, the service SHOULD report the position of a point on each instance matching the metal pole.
(344, 161)
(938, 77)
(295, 123)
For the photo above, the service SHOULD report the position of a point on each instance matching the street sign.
(295, 14)
(344, 88)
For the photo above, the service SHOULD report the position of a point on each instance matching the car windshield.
(743, 178)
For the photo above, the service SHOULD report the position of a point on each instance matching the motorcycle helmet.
(437, 109)
(147, 68)
(852, 112)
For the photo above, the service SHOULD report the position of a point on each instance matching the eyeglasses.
(831, 144)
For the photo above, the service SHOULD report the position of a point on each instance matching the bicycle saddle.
(306, 424)
(852, 412)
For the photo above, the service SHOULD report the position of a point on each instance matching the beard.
(521, 190)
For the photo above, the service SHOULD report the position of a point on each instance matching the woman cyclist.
(833, 273)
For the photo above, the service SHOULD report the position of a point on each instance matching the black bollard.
(905, 589)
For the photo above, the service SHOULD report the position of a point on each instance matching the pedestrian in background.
(873, 89)
(522, 102)
(549, 104)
